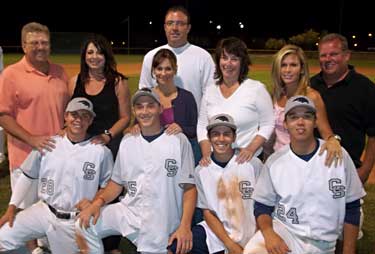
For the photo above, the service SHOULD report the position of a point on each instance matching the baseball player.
(314, 203)
(157, 172)
(224, 193)
(68, 178)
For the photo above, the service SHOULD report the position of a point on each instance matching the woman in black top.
(106, 88)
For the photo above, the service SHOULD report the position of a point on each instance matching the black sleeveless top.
(105, 106)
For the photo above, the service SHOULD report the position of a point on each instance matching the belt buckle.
(65, 216)
(62, 215)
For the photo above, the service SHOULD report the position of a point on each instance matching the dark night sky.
(261, 18)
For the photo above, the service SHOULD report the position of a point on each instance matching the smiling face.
(290, 70)
(36, 46)
(333, 59)
(147, 112)
(164, 72)
(77, 123)
(176, 28)
(221, 138)
(300, 123)
(94, 58)
(230, 65)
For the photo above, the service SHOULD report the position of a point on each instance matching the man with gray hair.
(33, 96)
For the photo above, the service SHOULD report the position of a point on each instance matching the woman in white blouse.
(246, 100)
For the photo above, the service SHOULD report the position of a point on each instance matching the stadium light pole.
(128, 21)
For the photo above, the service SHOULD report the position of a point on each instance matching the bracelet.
(108, 133)
(335, 136)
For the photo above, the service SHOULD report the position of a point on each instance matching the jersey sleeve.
(145, 80)
(264, 190)
(202, 119)
(31, 166)
(265, 112)
(257, 165)
(187, 162)
(202, 200)
(106, 168)
(354, 185)
(208, 73)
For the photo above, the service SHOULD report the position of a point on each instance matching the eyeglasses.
(178, 23)
(35, 44)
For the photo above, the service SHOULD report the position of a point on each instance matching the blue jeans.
(196, 150)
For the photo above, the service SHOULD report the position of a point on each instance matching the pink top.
(167, 116)
(35, 100)
(282, 135)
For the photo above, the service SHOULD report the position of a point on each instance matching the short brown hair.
(161, 55)
(179, 8)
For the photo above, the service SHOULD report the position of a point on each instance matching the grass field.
(260, 70)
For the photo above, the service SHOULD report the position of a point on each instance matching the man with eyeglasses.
(311, 204)
(33, 96)
(195, 65)
(68, 178)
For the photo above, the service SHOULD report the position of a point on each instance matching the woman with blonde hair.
(290, 77)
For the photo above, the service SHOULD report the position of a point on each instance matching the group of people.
(202, 132)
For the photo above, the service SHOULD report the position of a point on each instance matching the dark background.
(261, 19)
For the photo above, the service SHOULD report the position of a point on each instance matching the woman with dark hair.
(246, 100)
(101, 83)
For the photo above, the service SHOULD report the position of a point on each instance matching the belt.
(62, 215)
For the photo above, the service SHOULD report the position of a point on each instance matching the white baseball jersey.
(310, 197)
(194, 73)
(70, 172)
(66, 175)
(227, 193)
(154, 174)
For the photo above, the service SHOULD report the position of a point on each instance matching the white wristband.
(19, 192)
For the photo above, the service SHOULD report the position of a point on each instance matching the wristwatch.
(108, 133)
(335, 136)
